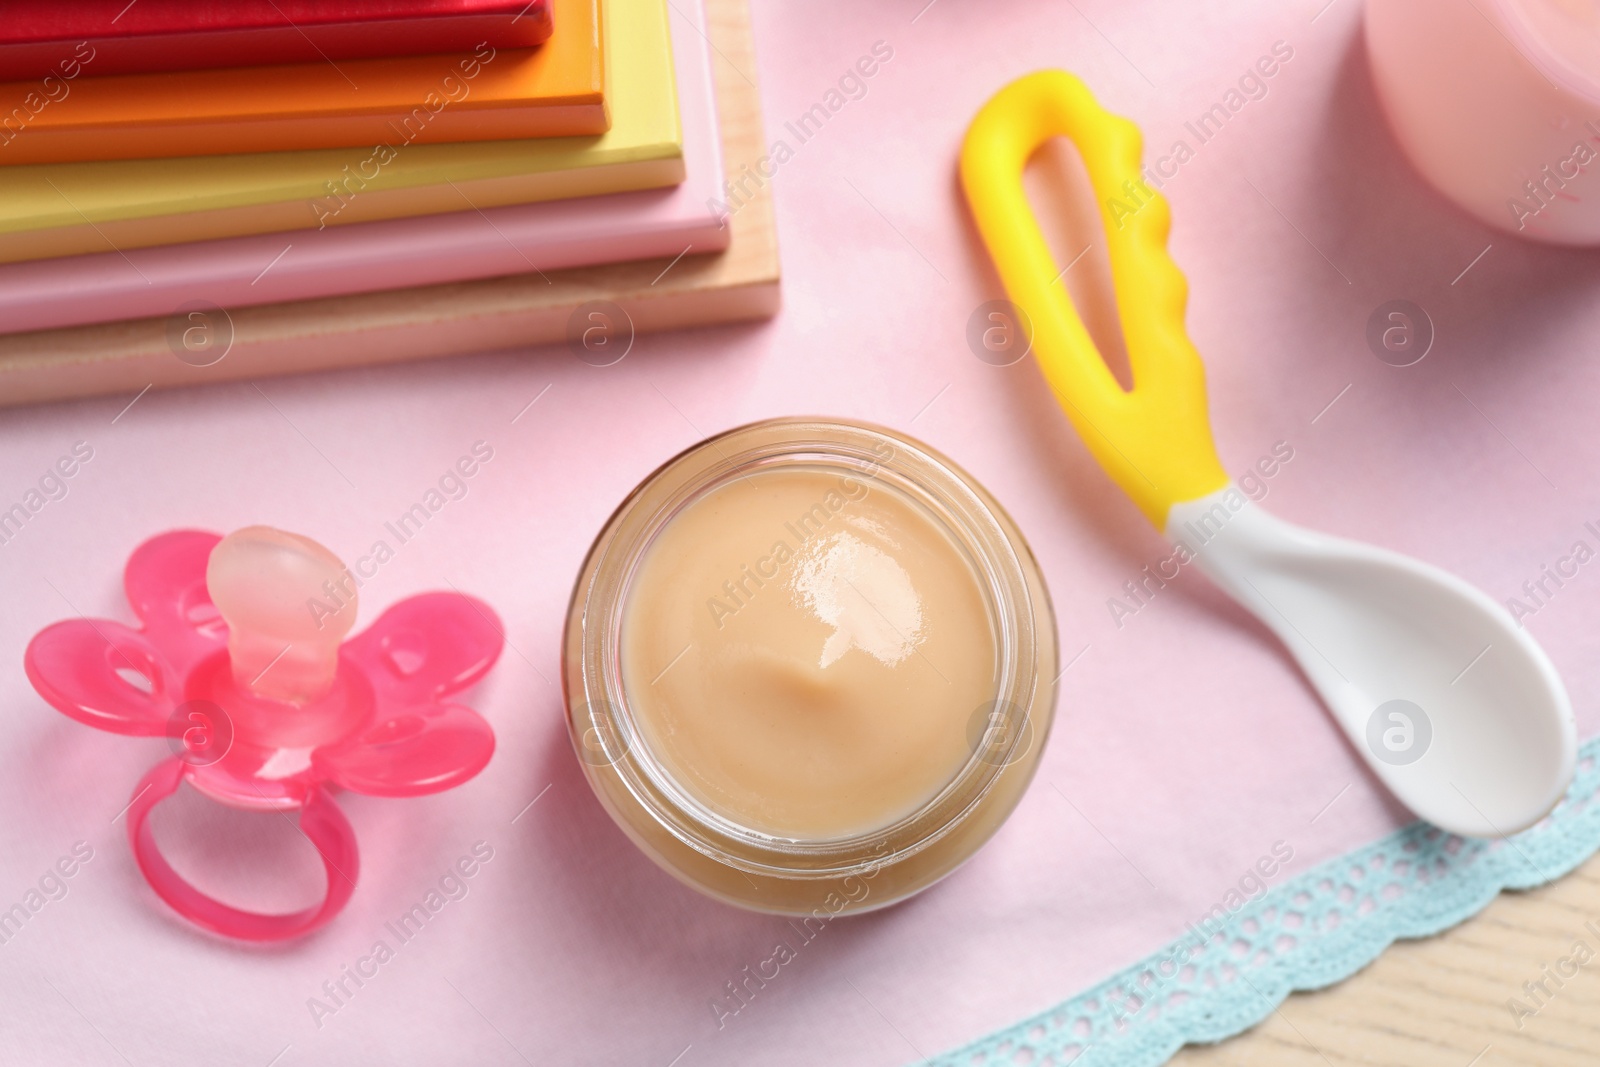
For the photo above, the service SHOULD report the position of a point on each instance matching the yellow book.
(65, 209)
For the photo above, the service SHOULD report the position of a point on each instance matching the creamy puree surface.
(805, 652)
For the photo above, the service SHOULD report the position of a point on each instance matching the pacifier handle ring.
(320, 820)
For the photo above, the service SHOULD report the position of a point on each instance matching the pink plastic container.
(1497, 104)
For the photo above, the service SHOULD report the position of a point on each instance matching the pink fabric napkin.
(1186, 746)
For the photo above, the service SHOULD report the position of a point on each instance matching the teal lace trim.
(1227, 974)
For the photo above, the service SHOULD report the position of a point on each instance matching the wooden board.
(438, 320)
(1443, 1001)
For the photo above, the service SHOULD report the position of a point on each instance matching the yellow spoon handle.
(1154, 440)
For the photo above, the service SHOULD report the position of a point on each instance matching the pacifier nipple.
(288, 603)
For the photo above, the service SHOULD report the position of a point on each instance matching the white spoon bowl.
(1453, 705)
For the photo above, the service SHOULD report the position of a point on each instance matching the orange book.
(555, 90)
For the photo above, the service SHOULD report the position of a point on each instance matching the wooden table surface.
(1444, 1001)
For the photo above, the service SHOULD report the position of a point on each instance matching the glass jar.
(874, 867)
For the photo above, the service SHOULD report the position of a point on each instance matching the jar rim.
(602, 723)
(1543, 55)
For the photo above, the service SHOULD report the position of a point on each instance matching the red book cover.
(45, 38)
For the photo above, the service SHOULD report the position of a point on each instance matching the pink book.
(270, 268)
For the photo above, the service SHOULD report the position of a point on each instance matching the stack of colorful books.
(200, 190)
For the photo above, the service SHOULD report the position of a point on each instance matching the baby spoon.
(1456, 708)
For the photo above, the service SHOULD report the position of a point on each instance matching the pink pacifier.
(242, 664)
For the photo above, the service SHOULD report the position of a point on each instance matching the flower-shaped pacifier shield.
(240, 663)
